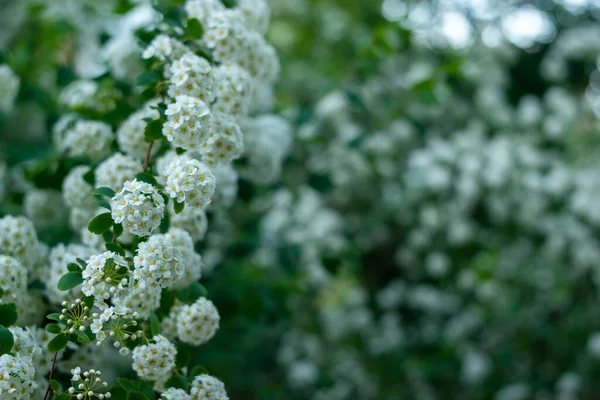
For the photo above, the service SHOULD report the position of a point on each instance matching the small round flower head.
(255, 13)
(192, 220)
(191, 76)
(116, 170)
(130, 135)
(206, 387)
(188, 123)
(188, 180)
(226, 35)
(198, 322)
(143, 296)
(75, 190)
(26, 343)
(233, 90)
(9, 82)
(79, 217)
(202, 10)
(169, 324)
(156, 360)
(78, 94)
(13, 279)
(87, 138)
(174, 394)
(17, 380)
(191, 260)
(225, 142)
(163, 162)
(139, 207)
(163, 47)
(262, 61)
(43, 206)
(87, 385)
(18, 239)
(106, 276)
(158, 261)
(227, 185)
(59, 257)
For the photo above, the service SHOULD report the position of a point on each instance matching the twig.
(49, 390)
(148, 156)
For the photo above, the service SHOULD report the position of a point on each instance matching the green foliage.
(58, 343)
(69, 280)
(101, 223)
(8, 314)
(6, 340)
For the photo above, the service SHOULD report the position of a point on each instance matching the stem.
(49, 390)
(148, 156)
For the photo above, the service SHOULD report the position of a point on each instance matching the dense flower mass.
(139, 207)
(190, 181)
(156, 360)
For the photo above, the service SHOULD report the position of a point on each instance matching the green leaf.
(72, 267)
(82, 337)
(53, 316)
(58, 343)
(147, 78)
(115, 248)
(197, 370)
(165, 222)
(147, 388)
(53, 328)
(8, 314)
(153, 130)
(117, 393)
(81, 262)
(127, 384)
(178, 206)
(70, 280)
(101, 223)
(154, 324)
(178, 381)
(54, 385)
(183, 355)
(179, 151)
(64, 396)
(194, 29)
(146, 177)
(136, 396)
(90, 177)
(104, 191)
(102, 203)
(6, 340)
(117, 230)
(196, 290)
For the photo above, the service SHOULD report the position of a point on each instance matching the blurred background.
(432, 231)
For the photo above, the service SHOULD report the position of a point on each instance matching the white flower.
(18, 239)
(188, 123)
(198, 322)
(116, 170)
(130, 135)
(158, 260)
(75, 190)
(175, 394)
(139, 207)
(206, 387)
(190, 181)
(156, 360)
(17, 377)
(9, 87)
(105, 276)
(87, 138)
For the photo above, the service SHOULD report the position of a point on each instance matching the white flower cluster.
(17, 377)
(88, 385)
(198, 323)
(116, 170)
(9, 84)
(158, 260)
(43, 206)
(18, 239)
(76, 192)
(130, 135)
(13, 279)
(139, 207)
(84, 138)
(206, 387)
(188, 123)
(59, 257)
(190, 260)
(190, 181)
(105, 277)
(191, 76)
(154, 361)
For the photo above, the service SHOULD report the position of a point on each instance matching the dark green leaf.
(54, 385)
(146, 177)
(72, 267)
(147, 78)
(183, 355)
(117, 393)
(82, 337)
(127, 384)
(53, 328)
(153, 130)
(81, 262)
(197, 370)
(136, 396)
(6, 340)
(178, 381)
(58, 343)
(196, 290)
(70, 280)
(104, 191)
(90, 177)
(102, 203)
(8, 314)
(147, 388)
(154, 324)
(101, 223)
(117, 230)
(54, 316)
(194, 29)
(178, 206)
(115, 248)
(165, 223)
(179, 151)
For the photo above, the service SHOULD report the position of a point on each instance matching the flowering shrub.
(403, 207)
